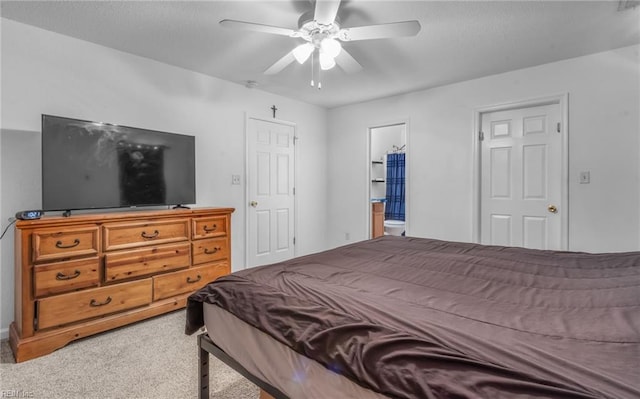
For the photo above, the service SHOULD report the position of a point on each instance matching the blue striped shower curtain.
(394, 207)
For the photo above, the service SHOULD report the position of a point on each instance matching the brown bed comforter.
(421, 318)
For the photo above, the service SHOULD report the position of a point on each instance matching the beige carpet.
(149, 359)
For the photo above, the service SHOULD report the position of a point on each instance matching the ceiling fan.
(321, 31)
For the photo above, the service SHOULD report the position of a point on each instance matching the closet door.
(521, 178)
(271, 207)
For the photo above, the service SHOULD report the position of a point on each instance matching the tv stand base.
(43, 343)
(84, 274)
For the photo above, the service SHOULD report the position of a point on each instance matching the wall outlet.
(347, 236)
(585, 177)
(235, 179)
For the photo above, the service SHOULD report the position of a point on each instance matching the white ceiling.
(459, 40)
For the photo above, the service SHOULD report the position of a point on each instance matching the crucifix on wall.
(274, 109)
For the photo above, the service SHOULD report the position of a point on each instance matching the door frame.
(560, 99)
(407, 171)
(247, 177)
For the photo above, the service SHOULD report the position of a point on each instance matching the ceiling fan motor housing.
(310, 30)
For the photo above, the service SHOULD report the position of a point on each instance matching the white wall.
(604, 130)
(44, 72)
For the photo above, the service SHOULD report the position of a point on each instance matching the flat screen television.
(94, 165)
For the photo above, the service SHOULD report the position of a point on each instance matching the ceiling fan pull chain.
(312, 82)
(319, 78)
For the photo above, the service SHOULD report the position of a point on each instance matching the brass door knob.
(552, 209)
(253, 203)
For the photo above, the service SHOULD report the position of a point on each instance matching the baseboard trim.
(4, 334)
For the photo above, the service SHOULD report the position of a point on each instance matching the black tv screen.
(91, 165)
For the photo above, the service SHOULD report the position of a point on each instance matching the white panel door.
(270, 192)
(521, 178)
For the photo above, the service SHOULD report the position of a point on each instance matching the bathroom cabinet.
(377, 219)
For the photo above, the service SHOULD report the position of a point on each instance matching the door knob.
(552, 209)
(253, 203)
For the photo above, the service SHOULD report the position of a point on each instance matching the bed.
(404, 317)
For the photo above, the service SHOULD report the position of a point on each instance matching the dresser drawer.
(68, 308)
(136, 234)
(50, 244)
(190, 280)
(140, 262)
(209, 227)
(55, 278)
(210, 250)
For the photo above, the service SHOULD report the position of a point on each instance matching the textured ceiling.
(459, 40)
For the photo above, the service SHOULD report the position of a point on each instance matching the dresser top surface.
(120, 215)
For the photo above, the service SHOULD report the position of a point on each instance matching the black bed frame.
(206, 347)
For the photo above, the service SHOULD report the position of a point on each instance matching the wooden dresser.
(83, 274)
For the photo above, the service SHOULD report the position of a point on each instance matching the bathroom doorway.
(387, 179)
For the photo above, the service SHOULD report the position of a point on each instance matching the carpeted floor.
(149, 359)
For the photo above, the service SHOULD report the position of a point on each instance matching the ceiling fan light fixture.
(326, 61)
(320, 28)
(302, 52)
(331, 47)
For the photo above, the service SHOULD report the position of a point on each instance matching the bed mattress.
(418, 318)
(269, 360)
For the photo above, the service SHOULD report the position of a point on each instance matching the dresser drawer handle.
(212, 251)
(59, 244)
(95, 303)
(189, 281)
(207, 229)
(61, 276)
(154, 235)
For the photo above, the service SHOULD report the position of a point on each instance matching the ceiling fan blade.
(230, 23)
(281, 64)
(326, 11)
(383, 31)
(347, 62)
